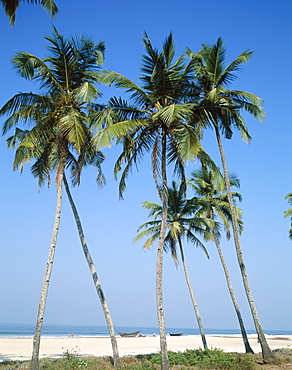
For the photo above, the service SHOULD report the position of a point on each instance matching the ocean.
(27, 330)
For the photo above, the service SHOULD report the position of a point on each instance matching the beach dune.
(21, 348)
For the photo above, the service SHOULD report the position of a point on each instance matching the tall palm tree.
(288, 213)
(180, 223)
(224, 107)
(60, 136)
(155, 122)
(210, 189)
(11, 6)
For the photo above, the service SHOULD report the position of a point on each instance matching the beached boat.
(130, 334)
(176, 334)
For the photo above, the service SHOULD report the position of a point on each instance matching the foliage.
(59, 134)
(156, 118)
(181, 222)
(190, 359)
(209, 359)
(210, 194)
(284, 355)
(224, 105)
(10, 7)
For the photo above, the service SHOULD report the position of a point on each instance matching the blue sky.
(127, 273)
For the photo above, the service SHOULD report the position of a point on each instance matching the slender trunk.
(43, 298)
(159, 264)
(198, 316)
(267, 354)
(247, 346)
(116, 358)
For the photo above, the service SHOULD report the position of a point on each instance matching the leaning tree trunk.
(116, 358)
(42, 304)
(247, 346)
(268, 355)
(159, 264)
(198, 316)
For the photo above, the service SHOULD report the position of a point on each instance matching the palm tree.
(209, 188)
(60, 136)
(180, 223)
(11, 6)
(223, 107)
(288, 213)
(155, 122)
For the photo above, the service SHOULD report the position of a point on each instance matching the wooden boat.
(130, 334)
(176, 334)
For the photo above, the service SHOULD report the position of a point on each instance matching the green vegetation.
(209, 359)
(10, 7)
(189, 360)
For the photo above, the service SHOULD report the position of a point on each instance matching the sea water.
(27, 330)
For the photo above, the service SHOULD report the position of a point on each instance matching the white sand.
(21, 348)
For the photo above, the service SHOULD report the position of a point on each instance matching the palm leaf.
(214, 59)
(86, 92)
(72, 127)
(105, 137)
(227, 76)
(12, 5)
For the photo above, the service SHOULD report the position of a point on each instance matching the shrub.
(209, 359)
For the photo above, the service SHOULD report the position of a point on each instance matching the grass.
(189, 360)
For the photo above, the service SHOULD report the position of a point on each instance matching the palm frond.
(227, 76)
(288, 197)
(118, 80)
(212, 199)
(49, 6)
(214, 58)
(11, 6)
(105, 137)
(72, 127)
(86, 92)
(195, 241)
(188, 144)
(23, 106)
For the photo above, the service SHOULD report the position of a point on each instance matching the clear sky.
(127, 273)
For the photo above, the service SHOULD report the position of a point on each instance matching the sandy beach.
(21, 348)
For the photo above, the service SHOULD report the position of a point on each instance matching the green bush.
(209, 359)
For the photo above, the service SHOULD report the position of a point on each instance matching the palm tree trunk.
(42, 304)
(116, 358)
(247, 346)
(159, 264)
(267, 354)
(198, 316)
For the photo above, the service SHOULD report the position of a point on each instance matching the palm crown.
(156, 119)
(211, 198)
(60, 135)
(181, 222)
(223, 105)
